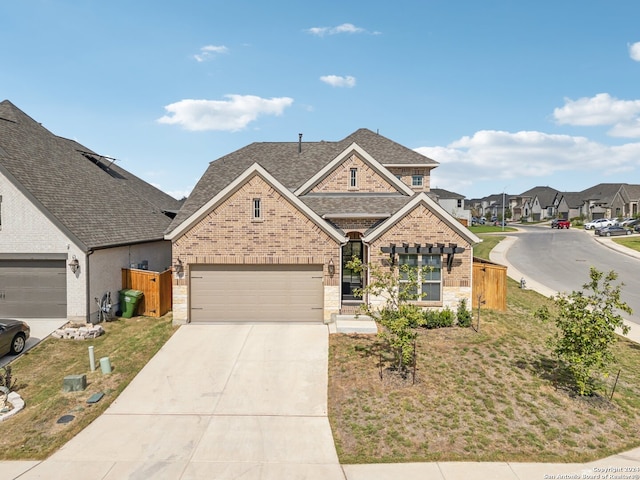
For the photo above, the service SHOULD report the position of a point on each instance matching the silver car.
(13, 336)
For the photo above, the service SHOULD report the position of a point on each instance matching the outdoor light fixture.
(178, 268)
(331, 267)
(74, 264)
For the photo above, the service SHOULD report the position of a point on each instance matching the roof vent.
(299, 143)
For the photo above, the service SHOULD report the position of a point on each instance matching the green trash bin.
(129, 300)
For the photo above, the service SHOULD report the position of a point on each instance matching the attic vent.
(103, 162)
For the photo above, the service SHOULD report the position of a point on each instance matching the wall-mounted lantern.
(331, 268)
(74, 265)
(178, 267)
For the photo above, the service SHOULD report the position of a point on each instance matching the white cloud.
(344, 28)
(232, 114)
(491, 155)
(208, 52)
(602, 109)
(338, 81)
(634, 51)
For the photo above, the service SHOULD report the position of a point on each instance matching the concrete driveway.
(41, 328)
(217, 401)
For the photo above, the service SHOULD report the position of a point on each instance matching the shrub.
(463, 314)
(438, 318)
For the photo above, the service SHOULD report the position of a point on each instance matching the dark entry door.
(350, 279)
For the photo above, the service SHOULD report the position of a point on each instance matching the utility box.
(74, 383)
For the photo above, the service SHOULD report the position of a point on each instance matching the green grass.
(483, 249)
(633, 242)
(493, 395)
(33, 433)
(477, 229)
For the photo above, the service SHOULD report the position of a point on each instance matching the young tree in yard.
(586, 324)
(398, 317)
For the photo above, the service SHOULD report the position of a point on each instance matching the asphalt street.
(561, 259)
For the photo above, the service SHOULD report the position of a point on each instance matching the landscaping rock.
(85, 332)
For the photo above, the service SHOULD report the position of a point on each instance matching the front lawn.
(34, 434)
(632, 242)
(492, 395)
(491, 229)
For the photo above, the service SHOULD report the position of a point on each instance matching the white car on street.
(599, 223)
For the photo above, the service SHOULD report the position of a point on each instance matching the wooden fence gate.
(156, 287)
(489, 284)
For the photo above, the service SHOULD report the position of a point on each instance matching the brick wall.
(229, 235)
(368, 180)
(405, 174)
(354, 224)
(422, 226)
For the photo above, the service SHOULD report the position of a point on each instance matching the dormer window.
(257, 209)
(353, 178)
(417, 180)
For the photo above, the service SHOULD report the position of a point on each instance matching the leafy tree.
(586, 324)
(397, 316)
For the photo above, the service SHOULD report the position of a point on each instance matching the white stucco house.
(70, 220)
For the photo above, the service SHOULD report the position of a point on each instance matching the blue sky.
(506, 95)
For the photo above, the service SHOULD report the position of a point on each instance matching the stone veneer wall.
(229, 235)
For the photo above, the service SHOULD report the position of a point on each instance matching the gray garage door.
(255, 293)
(33, 288)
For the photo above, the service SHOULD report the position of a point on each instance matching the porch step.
(352, 324)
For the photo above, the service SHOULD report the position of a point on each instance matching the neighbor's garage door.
(33, 288)
(256, 293)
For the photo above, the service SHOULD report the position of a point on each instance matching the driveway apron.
(217, 401)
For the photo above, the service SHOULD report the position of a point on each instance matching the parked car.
(632, 223)
(613, 230)
(560, 223)
(598, 223)
(625, 221)
(13, 336)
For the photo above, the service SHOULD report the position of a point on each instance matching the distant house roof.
(88, 196)
(602, 193)
(441, 193)
(546, 195)
(573, 199)
(294, 163)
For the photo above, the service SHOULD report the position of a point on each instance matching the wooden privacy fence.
(489, 284)
(156, 287)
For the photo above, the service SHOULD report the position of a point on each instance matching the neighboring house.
(453, 203)
(70, 219)
(268, 230)
(569, 205)
(542, 205)
(603, 201)
(490, 206)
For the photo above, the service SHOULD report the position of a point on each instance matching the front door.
(351, 280)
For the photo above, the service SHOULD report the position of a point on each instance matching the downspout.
(88, 286)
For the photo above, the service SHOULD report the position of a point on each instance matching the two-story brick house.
(268, 229)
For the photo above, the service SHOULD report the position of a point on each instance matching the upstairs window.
(353, 178)
(416, 180)
(257, 209)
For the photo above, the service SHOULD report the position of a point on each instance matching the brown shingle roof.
(291, 167)
(92, 199)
